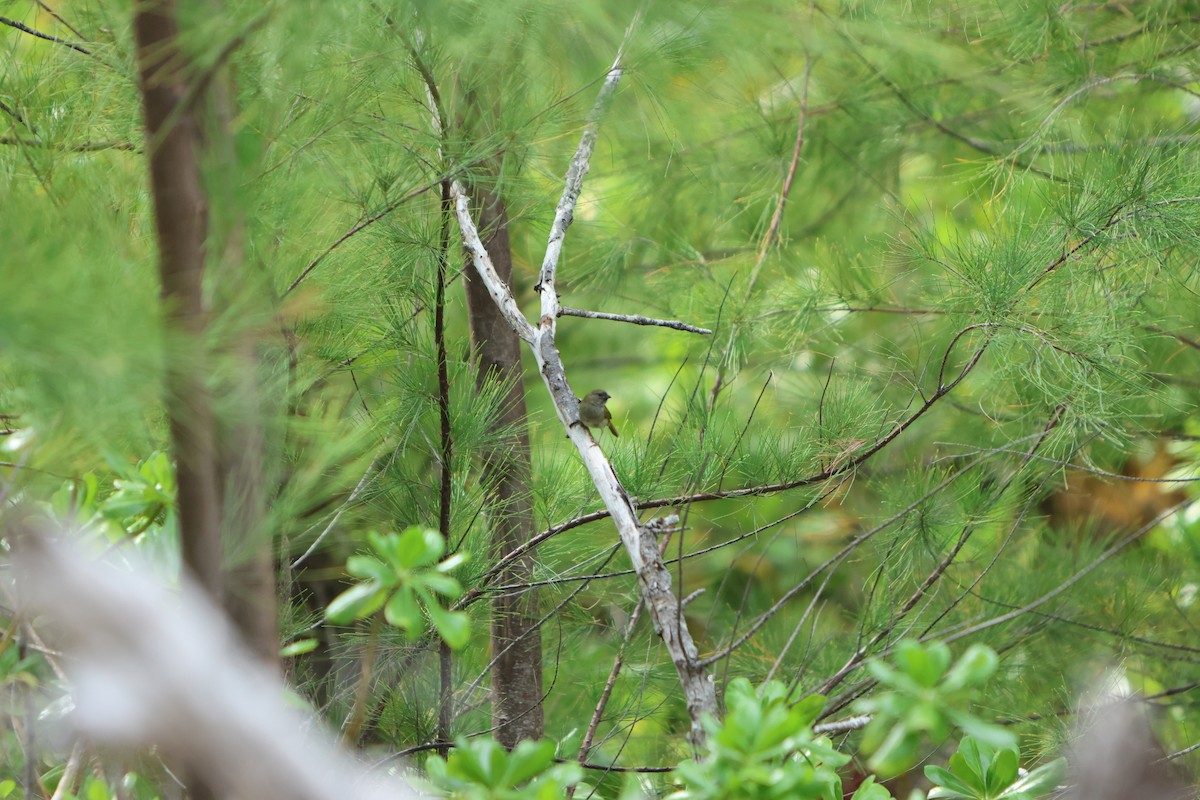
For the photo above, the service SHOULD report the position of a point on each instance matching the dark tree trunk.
(517, 677)
(446, 457)
(180, 215)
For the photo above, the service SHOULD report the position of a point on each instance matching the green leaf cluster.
(980, 771)
(480, 769)
(403, 576)
(765, 749)
(922, 699)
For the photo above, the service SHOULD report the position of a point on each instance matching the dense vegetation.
(935, 381)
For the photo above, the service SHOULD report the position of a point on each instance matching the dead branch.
(640, 544)
(155, 666)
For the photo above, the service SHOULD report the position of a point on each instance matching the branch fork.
(639, 541)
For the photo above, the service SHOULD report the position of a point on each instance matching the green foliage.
(480, 769)
(298, 648)
(402, 575)
(144, 497)
(17, 670)
(1002, 192)
(764, 748)
(923, 699)
(980, 771)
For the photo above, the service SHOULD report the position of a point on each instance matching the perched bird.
(593, 412)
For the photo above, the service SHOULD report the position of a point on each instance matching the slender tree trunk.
(181, 217)
(203, 451)
(517, 677)
(446, 455)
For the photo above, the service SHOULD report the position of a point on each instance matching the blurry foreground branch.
(156, 667)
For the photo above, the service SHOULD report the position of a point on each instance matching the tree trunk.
(181, 218)
(517, 677)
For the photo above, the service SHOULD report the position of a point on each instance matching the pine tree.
(931, 269)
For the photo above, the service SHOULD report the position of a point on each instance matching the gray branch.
(634, 319)
(842, 725)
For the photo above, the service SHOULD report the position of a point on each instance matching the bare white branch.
(639, 542)
(501, 295)
(635, 319)
(842, 725)
(564, 213)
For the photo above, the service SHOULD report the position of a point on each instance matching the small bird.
(593, 412)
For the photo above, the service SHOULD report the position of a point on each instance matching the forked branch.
(638, 541)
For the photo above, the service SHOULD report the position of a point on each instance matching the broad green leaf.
(528, 760)
(870, 790)
(442, 584)
(951, 785)
(994, 735)
(970, 763)
(1040, 781)
(355, 603)
(1002, 771)
(896, 753)
(416, 547)
(403, 612)
(974, 667)
(809, 708)
(925, 664)
(453, 626)
(452, 562)
(470, 759)
(369, 567)
(298, 647)
(96, 790)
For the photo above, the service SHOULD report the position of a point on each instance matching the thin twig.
(836, 559)
(635, 319)
(362, 693)
(56, 15)
(371, 220)
(862, 652)
(551, 614)
(953, 635)
(772, 233)
(12, 23)
(606, 693)
(362, 483)
(797, 628)
(81, 147)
